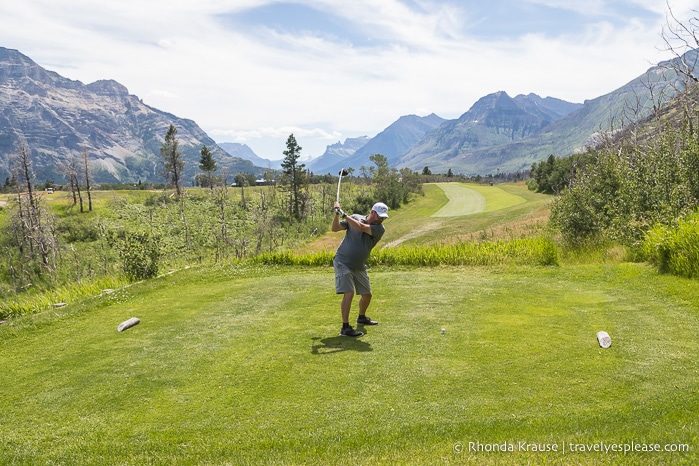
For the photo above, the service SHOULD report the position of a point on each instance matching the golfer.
(362, 234)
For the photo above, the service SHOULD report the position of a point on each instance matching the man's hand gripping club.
(339, 211)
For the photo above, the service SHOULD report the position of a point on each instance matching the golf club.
(341, 174)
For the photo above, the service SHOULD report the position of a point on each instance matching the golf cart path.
(414, 233)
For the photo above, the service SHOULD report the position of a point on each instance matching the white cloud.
(260, 84)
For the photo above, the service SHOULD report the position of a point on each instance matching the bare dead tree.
(71, 173)
(32, 227)
(86, 166)
(681, 38)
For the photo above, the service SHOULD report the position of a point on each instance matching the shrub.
(675, 250)
(78, 228)
(139, 253)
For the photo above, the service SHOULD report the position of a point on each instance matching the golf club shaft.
(342, 173)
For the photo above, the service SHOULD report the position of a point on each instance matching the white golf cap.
(381, 209)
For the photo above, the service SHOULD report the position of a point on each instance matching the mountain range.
(58, 118)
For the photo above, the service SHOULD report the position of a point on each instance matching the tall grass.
(57, 297)
(675, 250)
(289, 258)
(531, 251)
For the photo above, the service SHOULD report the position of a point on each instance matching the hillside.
(392, 142)
(244, 152)
(337, 153)
(471, 145)
(58, 118)
(494, 120)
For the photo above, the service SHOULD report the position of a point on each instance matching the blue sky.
(254, 71)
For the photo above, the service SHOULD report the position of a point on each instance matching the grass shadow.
(336, 344)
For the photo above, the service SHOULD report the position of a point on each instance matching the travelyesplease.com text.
(570, 447)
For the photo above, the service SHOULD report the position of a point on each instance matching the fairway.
(472, 199)
(243, 365)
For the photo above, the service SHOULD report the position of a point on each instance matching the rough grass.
(243, 365)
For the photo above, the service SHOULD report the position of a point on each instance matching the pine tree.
(207, 164)
(173, 163)
(293, 171)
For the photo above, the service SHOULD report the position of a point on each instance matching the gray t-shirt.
(356, 246)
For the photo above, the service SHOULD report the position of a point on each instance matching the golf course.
(485, 365)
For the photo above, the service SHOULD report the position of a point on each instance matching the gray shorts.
(347, 280)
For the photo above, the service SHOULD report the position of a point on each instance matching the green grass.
(466, 199)
(243, 365)
(511, 212)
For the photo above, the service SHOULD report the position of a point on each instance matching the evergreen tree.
(173, 163)
(207, 164)
(294, 173)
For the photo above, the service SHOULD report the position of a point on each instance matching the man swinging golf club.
(362, 234)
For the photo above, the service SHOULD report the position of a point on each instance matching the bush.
(675, 250)
(78, 228)
(139, 253)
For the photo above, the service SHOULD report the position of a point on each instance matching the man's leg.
(344, 285)
(364, 290)
(364, 301)
(346, 306)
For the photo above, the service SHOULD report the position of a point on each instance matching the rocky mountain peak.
(108, 88)
(58, 118)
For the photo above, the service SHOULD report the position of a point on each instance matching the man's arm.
(337, 226)
(357, 225)
(351, 222)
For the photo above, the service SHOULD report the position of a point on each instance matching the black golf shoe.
(350, 332)
(365, 320)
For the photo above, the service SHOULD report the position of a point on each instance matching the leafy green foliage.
(675, 250)
(630, 188)
(77, 229)
(393, 187)
(207, 164)
(139, 253)
(553, 175)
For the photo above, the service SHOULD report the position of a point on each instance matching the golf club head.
(343, 172)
